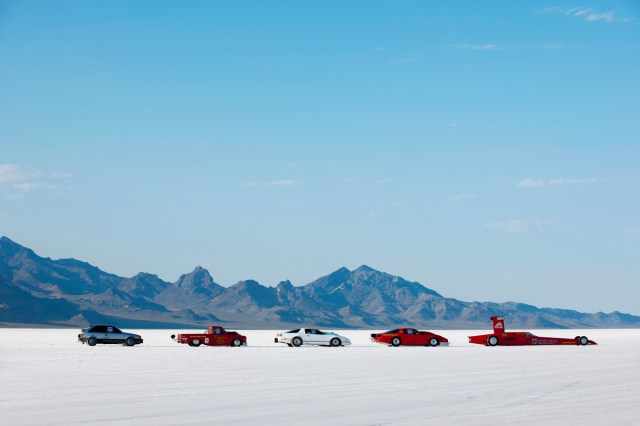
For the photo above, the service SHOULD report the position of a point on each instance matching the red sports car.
(409, 336)
(520, 338)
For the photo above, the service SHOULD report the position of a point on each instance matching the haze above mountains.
(67, 292)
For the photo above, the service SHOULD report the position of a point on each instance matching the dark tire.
(290, 345)
(335, 342)
(583, 341)
(492, 340)
(396, 341)
(236, 342)
(434, 342)
(196, 342)
(91, 341)
(130, 341)
(296, 341)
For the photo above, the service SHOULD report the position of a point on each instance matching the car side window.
(98, 329)
(109, 329)
(116, 330)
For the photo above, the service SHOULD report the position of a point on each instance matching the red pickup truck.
(213, 336)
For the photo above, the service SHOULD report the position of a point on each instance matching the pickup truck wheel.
(195, 342)
(91, 341)
(434, 342)
(335, 342)
(492, 340)
(130, 341)
(396, 341)
(236, 342)
(296, 341)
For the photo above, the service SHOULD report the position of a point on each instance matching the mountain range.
(40, 291)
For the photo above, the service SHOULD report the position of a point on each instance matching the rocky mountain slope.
(37, 290)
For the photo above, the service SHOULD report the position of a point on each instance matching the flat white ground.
(48, 378)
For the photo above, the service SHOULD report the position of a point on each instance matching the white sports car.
(311, 336)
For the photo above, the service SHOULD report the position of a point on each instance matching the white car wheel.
(335, 342)
(296, 341)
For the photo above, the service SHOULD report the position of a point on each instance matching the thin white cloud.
(408, 207)
(470, 46)
(16, 181)
(512, 226)
(10, 173)
(461, 197)
(589, 14)
(536, 183)
(33, 186)
(274, 183)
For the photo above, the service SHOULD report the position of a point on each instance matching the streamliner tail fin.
(498, 325)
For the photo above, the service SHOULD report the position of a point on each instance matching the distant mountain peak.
(145, 275)
(343, 271)
(10, 247)
(365, 268)
(199, 278)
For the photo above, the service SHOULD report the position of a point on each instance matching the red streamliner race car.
(409, 337)
(522, 338)
(213, 336)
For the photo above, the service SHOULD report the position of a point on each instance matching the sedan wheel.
(92, 341)
(396, 341)
(296, 341)
(130, 341)
(335, 342)
(434, 342)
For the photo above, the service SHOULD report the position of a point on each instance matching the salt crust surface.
(48, 378)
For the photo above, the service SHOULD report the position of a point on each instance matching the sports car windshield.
(391, 331)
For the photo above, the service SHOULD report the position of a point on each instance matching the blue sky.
(489, 151)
